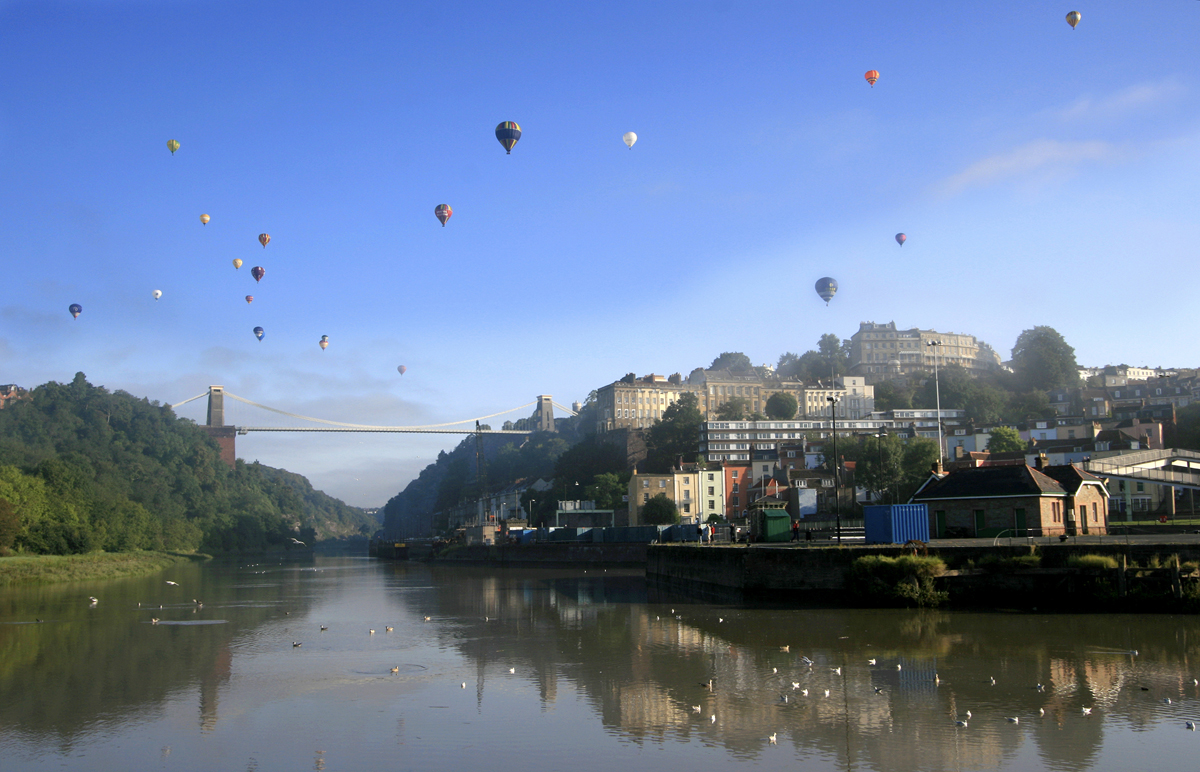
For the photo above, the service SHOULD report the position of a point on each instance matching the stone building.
(880, 352)
(636, 403)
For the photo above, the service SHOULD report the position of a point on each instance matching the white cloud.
(1040, 155)
(1137, 97)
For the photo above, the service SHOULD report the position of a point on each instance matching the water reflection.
(579, 663)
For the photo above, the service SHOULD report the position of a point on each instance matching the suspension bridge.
(225, 435)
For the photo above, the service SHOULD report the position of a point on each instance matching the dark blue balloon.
(827, 288)
(259, 332)
(75, 310)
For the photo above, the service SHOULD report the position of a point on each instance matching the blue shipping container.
(896, 524)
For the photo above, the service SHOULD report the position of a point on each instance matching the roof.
(1071, 477)
(991, 482)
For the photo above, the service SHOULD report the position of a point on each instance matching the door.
(1019, 522)
(980, 521)
(1083, 517)
(940, 523)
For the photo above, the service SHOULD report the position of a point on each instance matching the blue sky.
(1043, 176)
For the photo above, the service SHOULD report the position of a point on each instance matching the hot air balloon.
(443, 213)
(901, 238)
(264, 239)
(401, 369)
(259, 332)
(249, 298)
(1073, 18)
(237, 262)
(77, 309)
(204, 219)
(508, 132)
(630, 138)
(258, 272)
(324, 342)
(172, 145)
(826, 288)
(157, 294)
(872, 76)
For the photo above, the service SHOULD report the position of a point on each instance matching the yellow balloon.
(1073, 18)
(204, 219)
(172, 145)
(237, 262)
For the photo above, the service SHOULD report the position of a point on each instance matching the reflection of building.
(210, 687)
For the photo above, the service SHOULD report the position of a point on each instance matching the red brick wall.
(224, 436)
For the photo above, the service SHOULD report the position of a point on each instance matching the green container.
(775, 525)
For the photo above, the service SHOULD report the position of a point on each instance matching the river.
(546, 670)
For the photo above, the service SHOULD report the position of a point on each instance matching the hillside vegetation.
(84, 469)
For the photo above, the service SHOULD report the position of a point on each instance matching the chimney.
(1040, 461)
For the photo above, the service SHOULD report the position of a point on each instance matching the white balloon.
(157, 294)
(630, 138)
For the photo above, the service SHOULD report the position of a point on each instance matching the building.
(881, 352)
(643, 487)
(9, 392)
(1017, 500)
(636, 403)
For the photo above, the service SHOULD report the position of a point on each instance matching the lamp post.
(937, 390)
(837, 497)
(879, 446)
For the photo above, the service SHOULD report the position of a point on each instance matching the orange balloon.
(872, 76)
(204, 219)
(264, 239)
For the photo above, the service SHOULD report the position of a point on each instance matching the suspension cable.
(198, 396)
(367, 426)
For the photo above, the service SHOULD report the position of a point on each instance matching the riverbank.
(50, 569)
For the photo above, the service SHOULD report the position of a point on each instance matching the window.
(734, 475)
(687, 495)
(645, 483)
(712, 504)
(711, 490)
(687, 507)
(645, 497)
(735, 501)
(1095, 512)
(735, 488)
(662, 483)
(687, 481)
(1141, 486)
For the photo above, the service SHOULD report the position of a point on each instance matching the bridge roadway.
(374, 430)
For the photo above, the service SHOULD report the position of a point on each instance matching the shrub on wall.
(907, 580)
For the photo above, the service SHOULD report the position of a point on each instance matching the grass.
(48, 569)
(1092, 561)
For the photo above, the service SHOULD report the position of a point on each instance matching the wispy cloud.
(1038, 156)
(1127, 100)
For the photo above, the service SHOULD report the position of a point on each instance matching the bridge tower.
(545, 413)
(216, 428)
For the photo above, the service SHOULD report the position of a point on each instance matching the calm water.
(533, 671)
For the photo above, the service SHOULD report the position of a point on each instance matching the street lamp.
(879, 446)
(937, 389)
(837, 497)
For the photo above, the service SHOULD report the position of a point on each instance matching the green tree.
(733, 410)
(731, 360)
(1042, 360)
(788, 365)
(889, 396)
(878, 464)
(1005, 439)
(660, 510)
(608, 490)
(677, 434)
(782, 406)
(10, 525)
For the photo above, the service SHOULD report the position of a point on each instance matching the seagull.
(720, 620)
(936, 679)
(324, 628)
(836, 670)
(295, 645)
(804, 692)
(695, 708)
(783, 698)
(879, 690)
(1166, 700)
(395, 670)
(464, 685)
(826, 692)
(426, 619)
(1014, 719)
(962, 724)
(712, 719)
(153, 620)
(297, 541)
(512, 670)
(871, 661)
(1190, 725)
(387, 629)
(1087, 711)
(898, 666)
(708, 685)
(785, 649)
(94, 599)
(775, 670)
(968, 714)
(1040, 687)
(1041, 711)
(993, 681)
(772, 738)
(807, 661)
(795, 685)
(173, 584)
(372, 632)
(1195, 682)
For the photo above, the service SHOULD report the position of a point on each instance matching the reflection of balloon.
(172, 145)
(77, 309)
(237, 262)
(872, 76)
(826, 288)
(264, 239)
(258, 272)
(204, 219)
(508, 132)
(259, 332)
(1073, 18)
(443, 213)
(323, 342)
(901, 238)
(630, 138)
(157, 294)
(249, 298)
(402, 369)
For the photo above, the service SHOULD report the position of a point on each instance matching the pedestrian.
(732, 533)
(795, 530)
